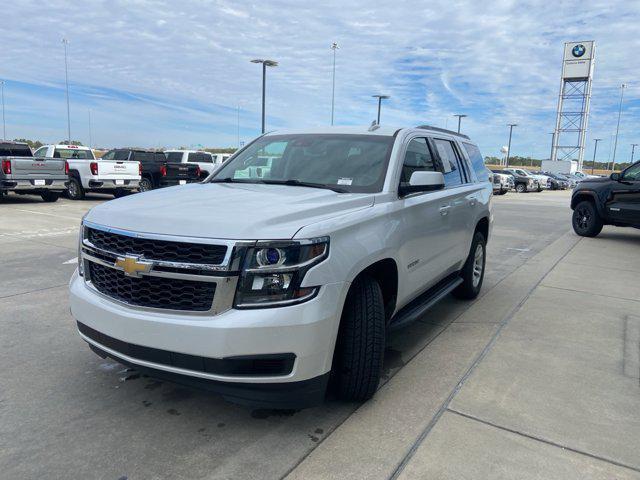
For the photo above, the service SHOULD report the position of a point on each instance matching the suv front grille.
(164, 250)
(151, 291)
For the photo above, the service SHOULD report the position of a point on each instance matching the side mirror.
(615, 176)
(422, 182)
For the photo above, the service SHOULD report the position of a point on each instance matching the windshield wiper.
(299, 183)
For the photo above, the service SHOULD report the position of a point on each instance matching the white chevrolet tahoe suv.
(88, 174)
(262, 288)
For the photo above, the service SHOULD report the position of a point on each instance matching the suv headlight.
(273, 271)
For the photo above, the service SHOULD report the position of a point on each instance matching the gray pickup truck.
(24, 174)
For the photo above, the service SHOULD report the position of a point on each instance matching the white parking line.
(47, 214)
(71, 261)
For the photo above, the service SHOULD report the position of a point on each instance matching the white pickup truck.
(88, 174)
(262, 287)
(204, 160)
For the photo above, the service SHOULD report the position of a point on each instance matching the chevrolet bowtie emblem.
(132, 266)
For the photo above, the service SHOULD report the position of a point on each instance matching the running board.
(416, 308)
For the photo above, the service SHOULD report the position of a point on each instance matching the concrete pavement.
(552, 388)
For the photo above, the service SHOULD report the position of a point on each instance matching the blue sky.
(173, 73)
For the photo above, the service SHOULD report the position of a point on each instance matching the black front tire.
(472, 272)
(50, 196)
(521, 188)
(75, 190)
(586, 221)
(360, 345)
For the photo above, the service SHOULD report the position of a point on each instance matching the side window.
(417, 158)
(206, 158)
(452, 168)
(193, 157)
(122, 155)
(41, 152)
(477, 162)
(109, 155)
(632, 174)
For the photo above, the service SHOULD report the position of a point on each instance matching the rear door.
(462, 199)
(624, 205)
(114, 165)
(182, 172)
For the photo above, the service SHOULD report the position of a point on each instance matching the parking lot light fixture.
(265, 64)
(511, 125)
(380, 98)
(460, 117)
(334, 47)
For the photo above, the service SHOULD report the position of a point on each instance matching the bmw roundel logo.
(578, 50)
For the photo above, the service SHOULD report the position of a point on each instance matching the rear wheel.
(586, 220)
(145, 185)
(521, 188)
(361, 341)
(472, 272)
(75, 190)
(50, 196)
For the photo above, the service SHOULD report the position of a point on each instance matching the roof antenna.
(374, 126)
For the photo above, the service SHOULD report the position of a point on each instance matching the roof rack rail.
(443, 130)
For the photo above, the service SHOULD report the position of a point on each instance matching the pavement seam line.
(445, 405)
(589, 293)
(33, 291)
(617, 269)
(543, 440)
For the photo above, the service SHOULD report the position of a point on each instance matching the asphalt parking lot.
(66, 413)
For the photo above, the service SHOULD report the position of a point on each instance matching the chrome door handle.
(444, 210)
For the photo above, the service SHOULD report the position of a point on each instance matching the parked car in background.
(23, 174)
(300, 272)
(502, 183)
(220, 158)
(572, 182)
(542, 181)
(554, 182)
(88, 174)
(523, 183)
(585, 176)
(203, 159)
(155, 170)
(607, 201)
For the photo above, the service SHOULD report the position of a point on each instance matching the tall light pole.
(4, 125)
(90, 139)
(265, 64)
(615, 145)
(633, 150)
(511, 125)
(553, 138)
(380, 98)
(460, 117)
(334, 47)
(595, 149)
(65, 42)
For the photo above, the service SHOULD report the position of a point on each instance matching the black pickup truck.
(156, 170)
(613, 200)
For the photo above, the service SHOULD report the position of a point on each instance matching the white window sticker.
(345, 181)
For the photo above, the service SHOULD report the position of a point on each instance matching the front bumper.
(23, 185)
(307, 330)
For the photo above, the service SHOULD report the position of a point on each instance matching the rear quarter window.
(176, 156)
(477, 162)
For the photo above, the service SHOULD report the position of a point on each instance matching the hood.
(227, 210)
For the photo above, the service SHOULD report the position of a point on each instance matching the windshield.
(348, 163)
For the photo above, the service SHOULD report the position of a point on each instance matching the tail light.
(163, 170)
(6, 167)
(139, 168)
(66, 167)
(94, 168)
(198, 171)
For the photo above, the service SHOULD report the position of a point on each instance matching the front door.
(624, 204)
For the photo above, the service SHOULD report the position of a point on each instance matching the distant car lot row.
(522, 180)
(55, 169)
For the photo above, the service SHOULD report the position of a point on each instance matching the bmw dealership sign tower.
(573, 102)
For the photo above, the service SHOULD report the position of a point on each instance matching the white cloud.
(497, 62)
